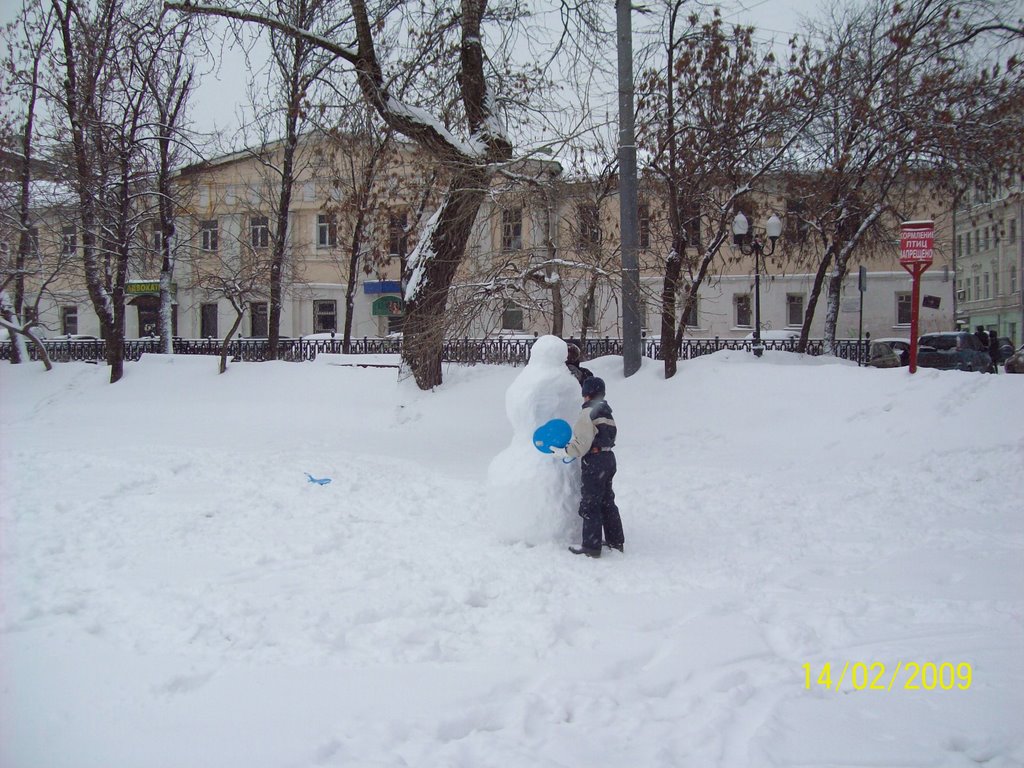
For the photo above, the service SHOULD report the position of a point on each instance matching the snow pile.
(174, 592)
(534, 498)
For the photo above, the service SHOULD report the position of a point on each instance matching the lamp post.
(751, 245)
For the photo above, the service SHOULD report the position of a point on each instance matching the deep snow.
(176, 593)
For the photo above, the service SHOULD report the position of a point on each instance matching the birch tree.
(169, 85)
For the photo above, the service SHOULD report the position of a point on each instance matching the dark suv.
(953, 351)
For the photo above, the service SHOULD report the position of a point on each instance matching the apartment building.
(990, 261)
(544, 242)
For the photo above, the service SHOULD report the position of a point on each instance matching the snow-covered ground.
(176, 594)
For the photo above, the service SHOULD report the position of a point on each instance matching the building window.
(512, 229)
(1013, 231)
(69, 240)
(985, 284)
(590, 224)
(959, 245)
(794, 309)
(258, 325)
(995, 279)
(904, 308)
(69, 320)
(967, 240)
(208, 321)
(325, 316)
(644, 219)
(797, 228)
(977, 287)
(326, 230)
(742, 307)
(977, 240)
(512, 317)
(690, 320)
(208, 233)
(259, 232)
(985, 239)
(1013, 278)
(157, 237)
(967, 290)
(398, 239)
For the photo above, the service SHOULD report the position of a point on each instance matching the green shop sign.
(388, 306)
(144, 287)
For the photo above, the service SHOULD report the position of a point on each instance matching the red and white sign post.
(917, 239)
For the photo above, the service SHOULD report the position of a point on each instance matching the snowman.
(533, 497)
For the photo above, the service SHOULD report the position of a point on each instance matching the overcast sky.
(221, 98)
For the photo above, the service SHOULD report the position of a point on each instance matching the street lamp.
(752, 245)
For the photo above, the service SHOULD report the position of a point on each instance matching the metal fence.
(494, 351)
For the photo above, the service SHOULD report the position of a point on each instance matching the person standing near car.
(982, 336)
(993, 350)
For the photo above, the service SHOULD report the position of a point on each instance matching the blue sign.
(382, 286)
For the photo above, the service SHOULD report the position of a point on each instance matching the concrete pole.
(628, 215)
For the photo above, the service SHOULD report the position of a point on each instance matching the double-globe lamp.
(751, 245)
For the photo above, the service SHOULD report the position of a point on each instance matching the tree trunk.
(669, 290)
(350, 286)
(835, 288)
(812, 299)
(165, 322)
(430, 272)
(227, 341)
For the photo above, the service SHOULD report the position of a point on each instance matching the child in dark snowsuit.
(593, 437)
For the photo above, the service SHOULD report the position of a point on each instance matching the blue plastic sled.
(553, 434)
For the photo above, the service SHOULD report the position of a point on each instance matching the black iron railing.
(494, 351)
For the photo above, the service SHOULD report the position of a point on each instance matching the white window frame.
(209, 235)
(790, 301)
(511, 310)
(69, 240)
(323, 308)
(512, 229)
(326, 230)
(905, 301)
(69, 317)
(259, 231)
(745, 300)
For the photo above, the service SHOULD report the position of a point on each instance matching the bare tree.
(236, 274)
(169, 85)
(470, 163)
(716, 117)
(104, 60)
(28, 39)
(904, 98)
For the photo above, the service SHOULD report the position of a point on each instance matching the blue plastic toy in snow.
(318, 480)
(552, 434)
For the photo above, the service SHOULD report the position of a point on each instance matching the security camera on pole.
(917, 240)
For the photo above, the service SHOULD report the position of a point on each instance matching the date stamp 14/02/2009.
(875, 676)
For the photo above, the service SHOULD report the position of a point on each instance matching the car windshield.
(939, 342)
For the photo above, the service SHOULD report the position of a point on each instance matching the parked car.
(889, 353)
(953, 351)
(1015, 362)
